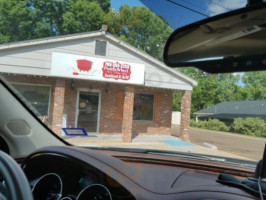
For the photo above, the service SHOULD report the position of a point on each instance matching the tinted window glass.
(143, 107)
(37, 95)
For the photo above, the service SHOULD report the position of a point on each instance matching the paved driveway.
(157, 142)
(241, 145)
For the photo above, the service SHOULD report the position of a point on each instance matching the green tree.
(82, 16)
(68, 16)
(49, 16)
(16, 21)
(113, 20)
(211, 89)
(204, 94)
(30, 19)
(254, 85)
(105, 4)
(177, 101)
(228, 88)
(139, 27)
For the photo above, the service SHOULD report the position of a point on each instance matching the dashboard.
(53, 176)
(73, 173)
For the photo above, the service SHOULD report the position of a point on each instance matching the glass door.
(88, 111)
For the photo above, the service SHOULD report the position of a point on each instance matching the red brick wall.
(110, 123)
(185, 115)
(111, 103)
(58, 105)
(162, 113)
(128, 114)
(111, 113)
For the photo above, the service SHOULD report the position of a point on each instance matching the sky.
(178, 16)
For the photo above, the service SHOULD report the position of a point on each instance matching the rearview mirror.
(231, 42)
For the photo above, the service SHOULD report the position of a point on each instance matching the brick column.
(58, 106)
(128, 114)
(185, 115)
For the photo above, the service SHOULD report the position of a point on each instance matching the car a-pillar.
(185, 115)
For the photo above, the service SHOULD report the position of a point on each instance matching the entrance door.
(88, 111)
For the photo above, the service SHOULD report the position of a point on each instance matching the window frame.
(32, 84)
(153, 108)
(106, 48)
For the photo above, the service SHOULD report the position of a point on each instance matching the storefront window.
(37, 95)
(143, 107)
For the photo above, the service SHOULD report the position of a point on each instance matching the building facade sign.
(91, 68)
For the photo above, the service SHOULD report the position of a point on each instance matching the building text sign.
(90, 68)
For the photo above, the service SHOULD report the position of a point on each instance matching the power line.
(219, 4)
(195, 5)
(187, 8)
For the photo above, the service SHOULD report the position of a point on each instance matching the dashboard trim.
(143, 187)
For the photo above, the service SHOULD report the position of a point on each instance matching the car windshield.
(92, 71)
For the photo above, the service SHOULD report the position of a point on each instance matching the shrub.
(253, 126)
(210, 124)
(215, 124)
(194, 123)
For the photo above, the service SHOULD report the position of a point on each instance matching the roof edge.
(53, 39)
(154, 60)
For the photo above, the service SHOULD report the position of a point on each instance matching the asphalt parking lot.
(244, 146)
(201, 141)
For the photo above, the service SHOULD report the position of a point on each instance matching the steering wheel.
(13, 183)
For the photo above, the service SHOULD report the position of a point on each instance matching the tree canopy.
(216, 88)
(139, 27)
(16, 21)
(30, 19)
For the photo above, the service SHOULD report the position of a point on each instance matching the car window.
(93, 73)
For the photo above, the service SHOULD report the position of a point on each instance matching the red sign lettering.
(116, 70)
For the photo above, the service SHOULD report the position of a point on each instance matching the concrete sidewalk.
(158, 142)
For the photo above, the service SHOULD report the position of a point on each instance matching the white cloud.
(217, 6)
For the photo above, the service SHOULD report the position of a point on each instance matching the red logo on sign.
(84, 65)
(116, 70)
